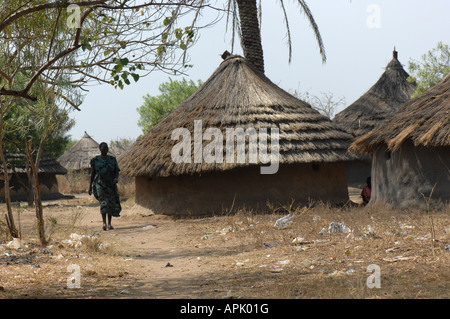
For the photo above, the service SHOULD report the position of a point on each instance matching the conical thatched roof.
(46, 166)
(390, 92)
(238, 95)
(424, 120)
(80, 155)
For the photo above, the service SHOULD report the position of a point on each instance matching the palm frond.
(288, 30)
(232, 11)
(315, 28)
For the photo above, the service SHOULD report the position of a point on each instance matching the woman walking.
(104, 178)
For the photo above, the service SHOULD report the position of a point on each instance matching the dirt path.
(160, 263)
(179, 258)
(161, 257)
(241, 255)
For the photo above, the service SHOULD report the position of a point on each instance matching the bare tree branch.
(114, 39)
(57, 4)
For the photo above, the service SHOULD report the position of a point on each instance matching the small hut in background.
(79, 156)
(387, 95)
(20, 188)
(411, 151)
(77, 162)
(312, 150)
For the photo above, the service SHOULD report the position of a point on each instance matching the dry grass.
(268, 264)
(77, 182)
(35, 272)
(74, 182)
(244, 253)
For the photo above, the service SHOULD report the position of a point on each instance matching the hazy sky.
(359, 37)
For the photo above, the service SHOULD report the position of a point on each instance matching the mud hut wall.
(48, 187)
(406, 177)
(75, 181)
(219, 192)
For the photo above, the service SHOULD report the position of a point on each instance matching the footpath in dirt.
(153, 256)
(241, 255)
(163, 263)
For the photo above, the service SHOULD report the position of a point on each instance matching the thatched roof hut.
(389, 93)
(19, 185)
(46, 166)
(238, 96)
(411, 150)
(78, 157)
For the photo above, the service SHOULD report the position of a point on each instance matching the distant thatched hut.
(411, 151)
(77, 162)
(79, 156)
(20, 188)
(312, 150)
(390, 92)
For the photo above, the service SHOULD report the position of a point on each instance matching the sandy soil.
(238, 256)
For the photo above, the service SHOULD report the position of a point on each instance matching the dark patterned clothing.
(104, 185)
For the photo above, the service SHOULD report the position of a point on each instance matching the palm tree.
(250, 33)
(248, 29)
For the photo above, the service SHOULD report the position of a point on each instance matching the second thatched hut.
(79, 156)
(189, 163)
(49, 171)
(387, 95)
(77, 162)
(411, 152)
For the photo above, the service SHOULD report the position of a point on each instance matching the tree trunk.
(251, 35)
(9, 216)
(27, 186)
(37, 197)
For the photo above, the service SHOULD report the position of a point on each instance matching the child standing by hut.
(366, 192)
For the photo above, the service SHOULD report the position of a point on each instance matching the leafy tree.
(97, 41)
(32, 122)
(431, 69)
(27, 128)
(32, 129)
(157, 107)
(55, 49)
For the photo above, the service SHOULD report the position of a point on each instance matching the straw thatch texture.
(424, 120)
(238, 95)
(389, 93)
(78, 157)
(46, 166)
(48, 184)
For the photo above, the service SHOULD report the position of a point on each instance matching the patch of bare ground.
(238, 255)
